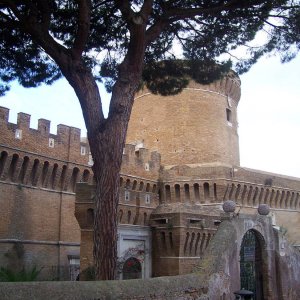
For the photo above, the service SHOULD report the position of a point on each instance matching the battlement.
(140, 161)
(66, 144)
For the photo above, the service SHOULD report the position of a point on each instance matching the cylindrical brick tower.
(197, 126)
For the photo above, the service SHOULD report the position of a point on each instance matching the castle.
(180, 181)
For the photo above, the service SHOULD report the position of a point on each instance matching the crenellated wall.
(66, 145)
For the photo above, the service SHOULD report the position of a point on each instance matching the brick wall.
(191, 127)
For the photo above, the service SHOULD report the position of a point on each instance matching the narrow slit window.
(229, 116)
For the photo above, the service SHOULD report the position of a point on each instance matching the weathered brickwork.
(198, 125)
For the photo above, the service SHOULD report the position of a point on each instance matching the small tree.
(113, 41)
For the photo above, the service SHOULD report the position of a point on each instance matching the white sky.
(269, 113)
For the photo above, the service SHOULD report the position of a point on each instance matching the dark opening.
(251, 265)
(132, 269)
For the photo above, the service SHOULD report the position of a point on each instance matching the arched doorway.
(132, 269)
(251, 264)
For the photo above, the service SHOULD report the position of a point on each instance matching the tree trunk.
(107, 164)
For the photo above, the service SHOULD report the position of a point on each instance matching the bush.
(8, 275)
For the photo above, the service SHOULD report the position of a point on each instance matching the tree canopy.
(201, 31)
(127, 43)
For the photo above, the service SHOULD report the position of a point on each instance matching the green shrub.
(8, 275)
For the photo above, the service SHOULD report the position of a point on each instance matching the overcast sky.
(269, 113)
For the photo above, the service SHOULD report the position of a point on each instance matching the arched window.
(85, 176)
